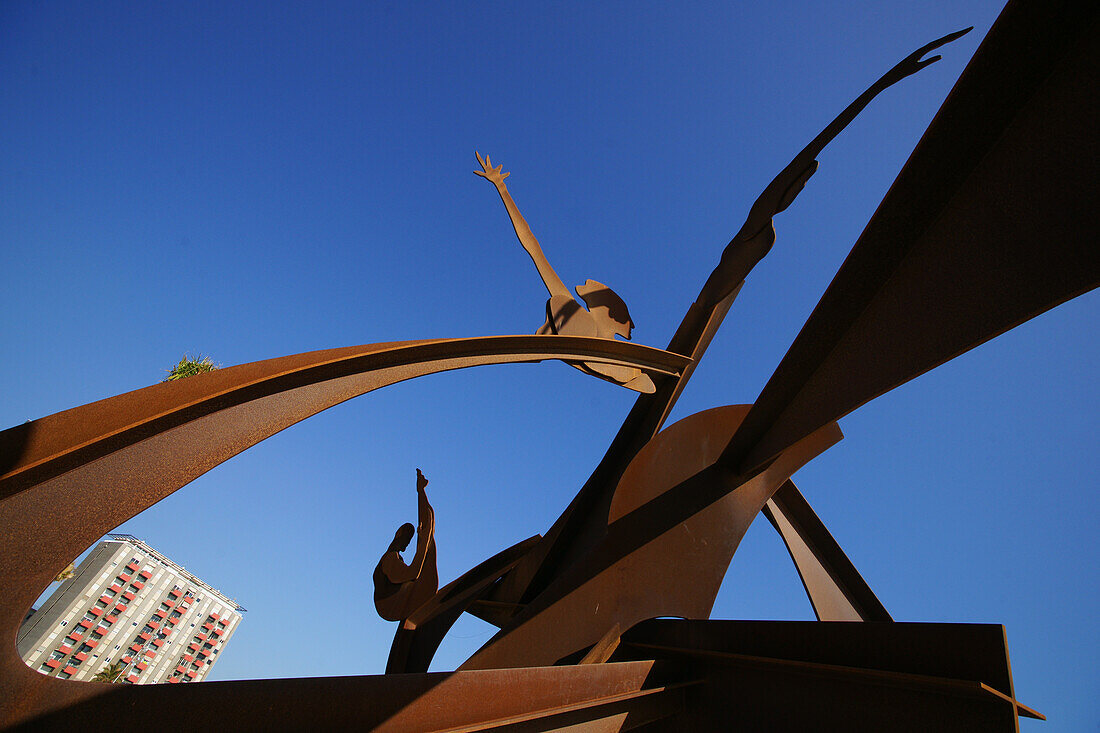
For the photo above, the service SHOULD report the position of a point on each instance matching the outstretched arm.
(757, 234)
(526, 237)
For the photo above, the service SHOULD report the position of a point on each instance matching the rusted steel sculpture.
(651, 532)
(400, 589)
(607, 315)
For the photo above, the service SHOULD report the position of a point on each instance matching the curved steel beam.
(676, 519)
(138, 448)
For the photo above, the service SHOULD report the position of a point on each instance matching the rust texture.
(991, 222)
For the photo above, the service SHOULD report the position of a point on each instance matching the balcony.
(69, 670)
(85, 623)
(95, 610)
(145, 574)
(110, 619)
(124, 577)
(64, 648)
(80, 656)
(128, 596)
(120, 608)
(150, 653)
(53, 663)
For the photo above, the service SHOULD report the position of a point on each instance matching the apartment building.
(127, 602)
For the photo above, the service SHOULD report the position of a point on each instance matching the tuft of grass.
(189, 367)
(65, 574)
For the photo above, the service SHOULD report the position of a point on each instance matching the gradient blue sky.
(251, 180)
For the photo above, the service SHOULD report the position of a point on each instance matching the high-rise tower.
(128, 603)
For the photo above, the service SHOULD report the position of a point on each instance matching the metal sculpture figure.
(400, 589)
(651, 531)
(607, 315)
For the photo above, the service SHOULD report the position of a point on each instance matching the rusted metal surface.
(607, 315)
(140, 447)
(807, 675)
(581, 526)
(612, 697)
(835, 588)
(675, 522)
(418, 637)
(989, 223)
(400, 589)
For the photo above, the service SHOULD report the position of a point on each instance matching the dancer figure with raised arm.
(400, 589)
(607, 315)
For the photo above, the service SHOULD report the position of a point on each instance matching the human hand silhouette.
(489, 172)
(421, 480)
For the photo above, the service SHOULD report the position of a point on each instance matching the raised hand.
(913, 63)
(490, 173)
(421, 480)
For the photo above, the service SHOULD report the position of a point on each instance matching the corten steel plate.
(991, 222)
(139, 447)
(676, 519)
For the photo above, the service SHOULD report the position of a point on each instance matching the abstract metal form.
(604, 620)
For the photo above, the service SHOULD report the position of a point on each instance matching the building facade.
(128, 603)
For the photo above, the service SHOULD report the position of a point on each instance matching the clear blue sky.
(251, 180)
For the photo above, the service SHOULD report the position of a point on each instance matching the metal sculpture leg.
(836, 589)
